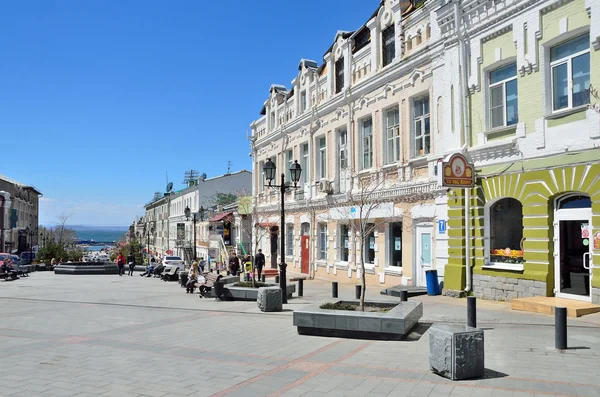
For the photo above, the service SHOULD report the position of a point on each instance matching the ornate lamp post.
(270, 171)
(188, 213)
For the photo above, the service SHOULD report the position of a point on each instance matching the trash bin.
(218, 288)
(433, 286)
(183, 278)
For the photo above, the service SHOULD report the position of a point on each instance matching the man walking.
(259, 262)
(234, 264)
(131, 261)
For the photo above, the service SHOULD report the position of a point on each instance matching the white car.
(169, 261)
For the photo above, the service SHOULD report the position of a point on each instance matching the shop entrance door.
(304, 258)
(423, 255)
(572, 248)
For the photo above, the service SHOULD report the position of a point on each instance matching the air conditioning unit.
(325, 187)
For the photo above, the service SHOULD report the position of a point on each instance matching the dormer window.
(388, 45)
(339, 75)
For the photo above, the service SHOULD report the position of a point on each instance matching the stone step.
(546, 305)
(412, 291)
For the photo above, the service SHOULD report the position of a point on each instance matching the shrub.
(248, 284)
(338, 306)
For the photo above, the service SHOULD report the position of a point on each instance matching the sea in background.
(99, 233)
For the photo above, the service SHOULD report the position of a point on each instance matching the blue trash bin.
(433, 286)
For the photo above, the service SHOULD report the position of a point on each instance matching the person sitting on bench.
(150, 268)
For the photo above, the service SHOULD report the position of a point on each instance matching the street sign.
(441, 226)
(458, 172)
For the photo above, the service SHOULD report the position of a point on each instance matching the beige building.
(364, 127)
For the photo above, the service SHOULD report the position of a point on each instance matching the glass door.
(423, 254)
(574, 257)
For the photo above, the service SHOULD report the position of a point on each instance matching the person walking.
(234, 264)
(259, 263)
(131, 262)
(202, 264)
(121, 264)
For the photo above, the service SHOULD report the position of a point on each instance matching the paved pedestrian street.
(132, 336)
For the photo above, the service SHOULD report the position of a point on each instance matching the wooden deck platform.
(546, 305)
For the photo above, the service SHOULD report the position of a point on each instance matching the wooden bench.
(210, 279)
(268, 272)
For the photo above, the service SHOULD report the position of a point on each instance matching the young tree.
(363, 204)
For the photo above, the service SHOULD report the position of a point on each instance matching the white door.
(572, 248)
(423, 253)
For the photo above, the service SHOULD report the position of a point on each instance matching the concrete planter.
(249, 294)
(392, 325)
(87, 268)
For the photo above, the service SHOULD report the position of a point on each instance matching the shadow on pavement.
(417, 332)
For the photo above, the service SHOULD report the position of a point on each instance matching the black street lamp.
(270, 171)
(150, 230)
(189, 213)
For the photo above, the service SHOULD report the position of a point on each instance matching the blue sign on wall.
(441, 226)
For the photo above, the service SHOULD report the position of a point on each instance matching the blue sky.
(100, 98)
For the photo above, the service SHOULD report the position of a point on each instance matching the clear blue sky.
(99, 98)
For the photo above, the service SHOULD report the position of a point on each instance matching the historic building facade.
(368, 126)
(19, 215)
(531, 224)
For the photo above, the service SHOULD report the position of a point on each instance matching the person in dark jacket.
(259, 263)
(234, 264)
(131, 262)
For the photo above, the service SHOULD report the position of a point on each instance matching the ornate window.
(570, 69)
(421, 127)
(339, 75)
(503, 96)
(388, 45)
(344, 243)
(322, 241)
(506, 232)
(392, 127)
(366, 132)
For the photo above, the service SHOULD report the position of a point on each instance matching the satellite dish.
(169, 187)
(203, 176)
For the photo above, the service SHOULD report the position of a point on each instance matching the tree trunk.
(362, 275)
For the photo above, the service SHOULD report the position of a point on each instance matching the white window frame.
(302, 101)
(304, 160)
(394, 141)
(322, 158)
(343, 147)
(289, 157)
(367, 245)
(289, 239)
(322, 247)
(261, 177)
(362, 143)
(568, 61)
(341, 242)
(497, 84)
(384, 45)
(414, 126)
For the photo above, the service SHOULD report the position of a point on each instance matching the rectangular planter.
(392, 325)
(248, 294)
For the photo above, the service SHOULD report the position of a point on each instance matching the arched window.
(575, 201)
(506, 231)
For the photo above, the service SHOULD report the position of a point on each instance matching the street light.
(188, 213)
(270, 171)
(150, 230)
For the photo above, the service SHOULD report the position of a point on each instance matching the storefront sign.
(585, 230)
(458, 172)
(507, 252)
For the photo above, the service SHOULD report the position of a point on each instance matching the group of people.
(235, 266)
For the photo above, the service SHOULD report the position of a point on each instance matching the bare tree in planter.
(363, 204)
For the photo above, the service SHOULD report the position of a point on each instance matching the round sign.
(585, 233)
(586, 242)
(458, 167)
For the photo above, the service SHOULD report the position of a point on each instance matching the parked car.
(169, 261)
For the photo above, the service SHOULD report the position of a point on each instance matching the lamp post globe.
(270, 170)
(295, 171)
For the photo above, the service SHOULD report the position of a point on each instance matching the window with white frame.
(339, 75)
(261, 177)
(289, 159)
(289, 240)
(388, 45)
(322, 242)
(304, 165)
(369, 249)
(343, 148)
(421, 127)
(303, 101)
(344, 243)
(503, 101)
(392, 126)
(570, 70)
(322, 158)
(366, 132)
(506, 231)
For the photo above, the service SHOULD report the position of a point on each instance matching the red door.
(305, 254)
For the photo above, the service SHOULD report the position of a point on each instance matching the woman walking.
(121, 264)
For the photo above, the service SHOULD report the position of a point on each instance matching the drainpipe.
(466, 139)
